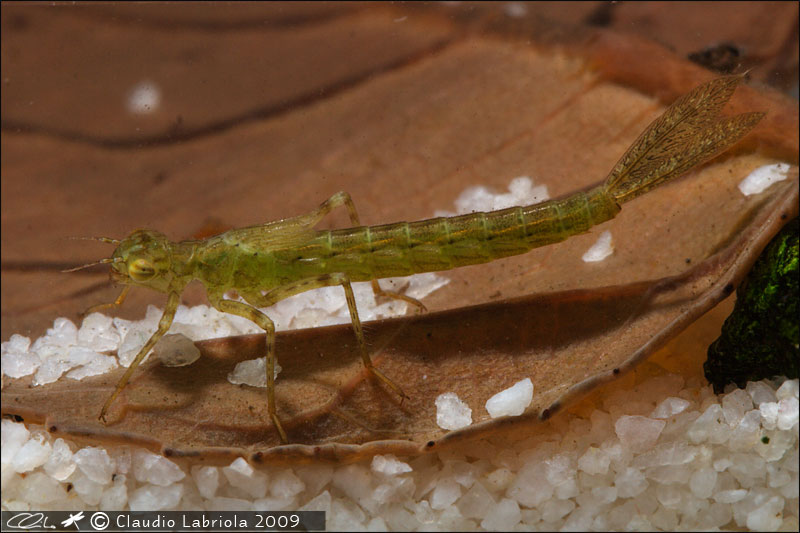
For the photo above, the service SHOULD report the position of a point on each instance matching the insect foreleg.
(163, 327)
(115, 303)
(342, 198)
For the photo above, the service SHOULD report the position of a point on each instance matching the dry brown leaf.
(480, 110)
(567, 342)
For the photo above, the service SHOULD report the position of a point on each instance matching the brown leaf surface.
(567, 342)
(404, 132)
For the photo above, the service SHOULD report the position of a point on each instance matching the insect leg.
(339, 199)
(325, 280)
(277, 294)
(344, 281)
(342, 198)
(264, 322)
(163, 327)
(379, 292)
(114, 304)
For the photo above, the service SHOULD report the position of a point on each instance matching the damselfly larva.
(270, 262)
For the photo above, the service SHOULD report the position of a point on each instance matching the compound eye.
(141, 270)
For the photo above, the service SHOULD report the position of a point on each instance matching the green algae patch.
(760, 339)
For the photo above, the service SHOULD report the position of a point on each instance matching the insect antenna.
(101, 262)
(101, 239)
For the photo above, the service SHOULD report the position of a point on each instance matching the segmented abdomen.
(404, 248)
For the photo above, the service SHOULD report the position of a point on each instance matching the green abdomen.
(405, 248)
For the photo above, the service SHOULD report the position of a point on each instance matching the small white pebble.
(762, 177)
(630, 482)
(252, 372)
(50, 370)
(98, 333)
(95, 463)
(767, 517)
(512, 401)
(502, 517)
(134, 339)
(734, 405)
(155, 498)
(14, 436)
(32, 454)
(515, 9)
(669, 407)
(123, 458)
(745, 435)
(17, 343)
(144, 98)
(421, 285)
(451, 412)
(722, 464)
(63, 333)
(240, 474)
(285, 485)
(789, 389)
(605, 494)
(602, 248)
(638, 432)
(476, 502)
(354, 480)
(788, 411)
(115, 498)
(151, 468)
(446, 492)
(594, 461)
(500, 479)
(207, 480)
(556, 509)
(702, 482)
(17, 360)
(90, 491)
(97, 365)
(60, 465)
(389, 465)
(320, 502)
(760, 392)
(769, 414)
(479, 198)
(40, 490)
(730, 496)
(176, 350)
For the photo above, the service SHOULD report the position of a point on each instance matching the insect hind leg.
(344, 281)
(384, 294)
(326, 280)
(339, 199)
(256, 299)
